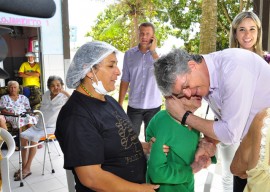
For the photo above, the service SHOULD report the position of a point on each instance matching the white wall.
(51, 39)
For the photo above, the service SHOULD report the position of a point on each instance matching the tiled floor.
(37, 182)
(57, 182)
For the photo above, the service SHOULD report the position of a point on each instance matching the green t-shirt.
(172, 172)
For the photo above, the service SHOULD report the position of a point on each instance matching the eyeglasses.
(178, 96)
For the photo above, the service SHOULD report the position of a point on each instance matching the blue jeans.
(137, 116)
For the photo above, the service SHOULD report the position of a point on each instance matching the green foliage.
(180, 18)
(227, 10)
(110, 27)
(116, 24)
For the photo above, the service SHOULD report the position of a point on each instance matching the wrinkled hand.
(148, 187)
(200, 152)
(203, 155)
(64, 92)
(166, 148)
(202, 162)
(209, 147)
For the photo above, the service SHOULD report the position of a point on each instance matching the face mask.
(31, 62)
(99, 88)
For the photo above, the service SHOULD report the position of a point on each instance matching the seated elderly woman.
(16, 103)
(252, 158)
(94, 132)
(52, 102)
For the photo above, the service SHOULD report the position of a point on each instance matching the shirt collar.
(136, 49)
(212, 72)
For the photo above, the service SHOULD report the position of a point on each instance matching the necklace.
(86, 90)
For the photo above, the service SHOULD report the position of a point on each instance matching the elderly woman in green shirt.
(174, 172)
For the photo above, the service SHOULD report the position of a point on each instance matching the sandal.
(16, 173)
(24, 175)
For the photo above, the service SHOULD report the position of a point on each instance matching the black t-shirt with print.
(93, 132)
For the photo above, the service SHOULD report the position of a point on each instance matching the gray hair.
(86, 57)
(12, 83)
(169, 66)
(53, 78)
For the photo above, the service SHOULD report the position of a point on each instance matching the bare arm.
(247, 155)
(239, 164)
(5, 111)
(23, 75)
(122, 92)
(95, 178)
(29, 74)
(65, 93)
(33, 74)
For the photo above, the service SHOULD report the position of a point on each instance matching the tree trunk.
(208, 27)
(134, 31)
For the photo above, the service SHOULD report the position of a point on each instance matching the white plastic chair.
(70, 181)
(7, 137)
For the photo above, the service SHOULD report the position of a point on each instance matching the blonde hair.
(236, 22)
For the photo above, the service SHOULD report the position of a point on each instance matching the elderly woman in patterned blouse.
(16, 103)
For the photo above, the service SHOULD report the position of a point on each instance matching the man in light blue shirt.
(144, 97)
(233, 81)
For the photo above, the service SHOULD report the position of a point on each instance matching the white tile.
(22, 189)
(57, 181)
(65, 189)
(47, 185)
(63, 179)
(15, 185)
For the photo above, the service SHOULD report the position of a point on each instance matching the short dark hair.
(147, 24)
(52, 78)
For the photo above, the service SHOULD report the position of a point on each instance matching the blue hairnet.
(89, 54)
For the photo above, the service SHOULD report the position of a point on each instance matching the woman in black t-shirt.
(94, 132)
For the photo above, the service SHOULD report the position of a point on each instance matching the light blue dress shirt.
(239, 89)
(138, 70)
